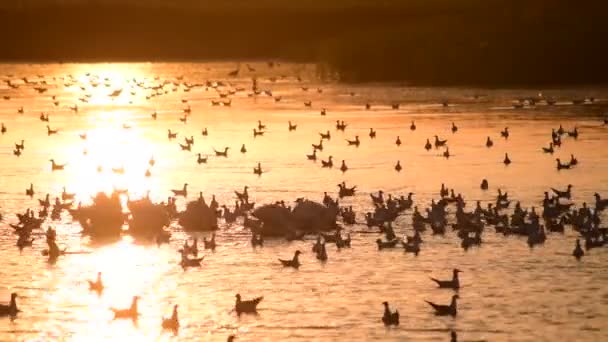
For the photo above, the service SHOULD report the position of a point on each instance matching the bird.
(258, 169)
(220, 153)
(96, 285)
(292, 127)
(561, 166)
(446, 310)
(439, 142)
(187, 262)
(355, 142)
(30, 191)
(183, 192)
(257, 133)
(312, 156)
(294, 262)
(428, 145)
(398, 141)
(10, 309)
(454, 128)
(131, 312)
(20, 146)
(446, 153)
(484, 184)
(398, 166)
(413, 126)
(489, 142)
(246, 306)
(329, 163)
(171, 135)
(507, 160)
(578, 252)
(319, 146)
(454, 283)
(186, 147)
(55, 166)
(171, 323)
(390, 318)
(3, 129)
(343, 168)
(372, 133)
(205, 132)
(325, 136)
(548, 149)
(200, 159)
(210, 244)
(505, 133)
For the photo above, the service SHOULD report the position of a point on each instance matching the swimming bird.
(246, 306)
(319, 146)
(260, 126)
(390, 318)
(220, 153)
(372, 133)
(148, 173)
(454, 283)
(507, 160)
(323, 110)
(454, 128)
(257, 133)
(386, 244)
(151, 161)
(258, 170)
(295, 262)
(428, 145)
(292, 127)
(189, 141)
(43, 117)
(445, 310)
(10, 309)
(66, 196)
(398, 166)
(30, 191)
(171, 135)
(243, 149)
(489, 142)
(3, 129)
(505, 133)
(55, 166)
(343, 168)
(210, 244)
(484, 184)
(567, 194)
(326, 136)
(573, 133)
(187, 262)
(312, 156)
(183, 192)
(184, 118)
(200, 159)
(171, 323)
(20, 146)
(578, 252)
(329, 163)
(20, 110)
(439, 142)
(561, 166)
(131, 312)
(154, 115)
(446, 153)
(413, 126)
(600, 203)
(186, 147)
(205, 132)
(355, 142)
(96, 285)
(398, 141)
(548, 149)
(573, 160)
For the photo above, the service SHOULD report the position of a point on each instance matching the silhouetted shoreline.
(474, 42)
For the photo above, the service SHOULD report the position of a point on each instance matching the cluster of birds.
(558, 210)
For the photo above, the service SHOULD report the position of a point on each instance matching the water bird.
(131, 312)
(446, 310)
(20, 110)
(561, 166)
(258, 169)
(186, 147)
(398, 141)
(428, 145)
(55, 166)
(329, 163)
(44, 117)
(505, 133)
(151, 161)
(187, 262)
(567, 194)
(210, 244)
(549, 149)
(484, 184)
(246, 306)
(312, 156)
(148, 173)
(321, 252)
(395, 105)
(205, 132)
(294, 262)
(309, 104)
(507, 160)
(220, 153)
(292, 127)
(319, 146)
(413, 126)
(355, 142)
(96, 285)
(343, 167)
(171, 323)
(183, 192)
(30, 191)
(243, 149)
(66, 196)
(386, 244)
(20, 146)
(326, 136)
(184, 118)
(171, 135)
(578, 252)
(489, 142)
(3, 129)
(454, 128)
(573, 160)
(439, 142)
(154, 115)
(600, 203)
(446, 153)
(10, 309)
(390, 318)
(398, 166)
(372, 133)
(323, 111)
(573, 133)
(454, 283)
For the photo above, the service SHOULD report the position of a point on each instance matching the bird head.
(238, 296)
(298, 252)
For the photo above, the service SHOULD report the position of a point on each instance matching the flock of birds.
(558, 210)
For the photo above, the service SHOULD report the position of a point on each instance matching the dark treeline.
(489, 42)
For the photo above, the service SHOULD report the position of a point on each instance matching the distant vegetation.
(485, 42)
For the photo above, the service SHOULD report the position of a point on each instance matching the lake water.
(510, 292)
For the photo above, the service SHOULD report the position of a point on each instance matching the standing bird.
(390, 318)
(578, 251)
(246, 306)
(454, 283)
